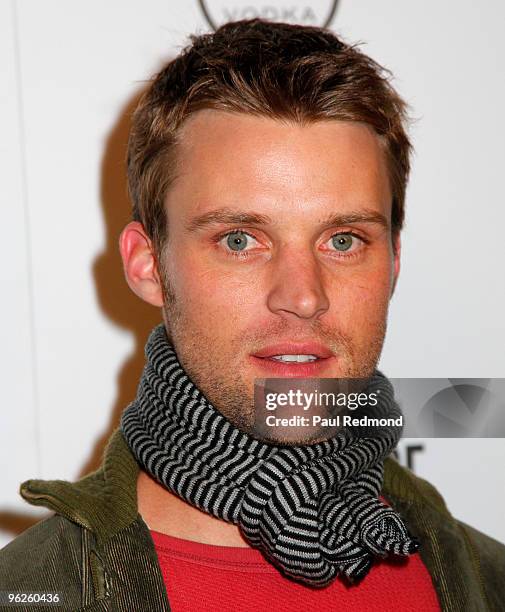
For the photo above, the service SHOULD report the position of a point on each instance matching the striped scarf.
(312, 510)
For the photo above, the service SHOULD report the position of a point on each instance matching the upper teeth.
(297, 358)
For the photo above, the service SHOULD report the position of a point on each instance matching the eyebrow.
(358, 216)
(233, 217)
(229, 216)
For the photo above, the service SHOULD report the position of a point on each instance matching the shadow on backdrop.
(117, 301)
(115, 298)
(15, 523)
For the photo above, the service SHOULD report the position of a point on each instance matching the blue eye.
(237, 241)
(342, 242)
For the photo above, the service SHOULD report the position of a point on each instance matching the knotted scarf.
(313, 510)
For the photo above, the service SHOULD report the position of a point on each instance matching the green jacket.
(97, 551)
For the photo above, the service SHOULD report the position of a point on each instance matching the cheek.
(360, 301)
(216, 296)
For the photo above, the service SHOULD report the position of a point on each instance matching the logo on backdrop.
(304, 12)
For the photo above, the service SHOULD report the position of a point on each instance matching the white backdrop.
(71, 333)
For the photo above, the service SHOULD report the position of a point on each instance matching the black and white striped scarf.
(312, 510)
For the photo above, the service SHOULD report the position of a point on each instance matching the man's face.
(279, 259)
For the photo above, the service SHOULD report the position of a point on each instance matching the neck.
(167, 513)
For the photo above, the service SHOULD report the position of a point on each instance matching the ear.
(139, 264)
(397, 247)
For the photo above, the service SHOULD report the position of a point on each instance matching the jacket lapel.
(445, 549)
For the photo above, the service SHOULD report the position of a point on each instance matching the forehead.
(237, 160)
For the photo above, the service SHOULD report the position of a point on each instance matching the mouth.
(293, 359)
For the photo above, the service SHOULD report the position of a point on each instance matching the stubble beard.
(216, 372)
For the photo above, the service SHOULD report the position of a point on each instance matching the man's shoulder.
(489, 553)
(406, 488)
(454, 552)
(45, 557)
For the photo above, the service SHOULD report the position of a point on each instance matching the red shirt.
(230, 579)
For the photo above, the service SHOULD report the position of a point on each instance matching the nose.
(297, 286)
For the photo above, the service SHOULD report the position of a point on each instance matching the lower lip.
(273, 368)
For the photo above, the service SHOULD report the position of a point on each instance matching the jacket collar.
(104, 501)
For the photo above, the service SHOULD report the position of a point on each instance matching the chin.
(290, 440)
